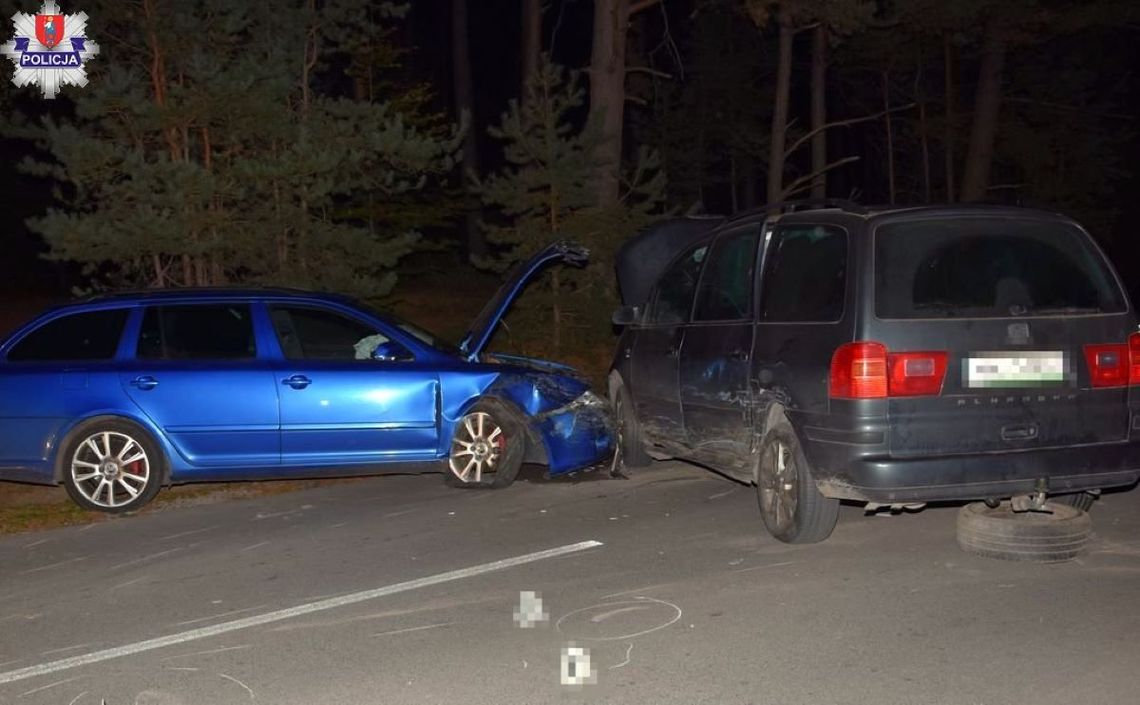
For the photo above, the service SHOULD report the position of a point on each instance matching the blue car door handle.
(297, 381)
(144, 382)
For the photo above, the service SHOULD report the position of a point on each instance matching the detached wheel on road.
(631, 445)
(111, 466)
(792, 507)
(487, 448)
(1040, 537)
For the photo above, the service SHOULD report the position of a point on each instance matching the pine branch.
(804, 182)
(843, 123)
(649, 70)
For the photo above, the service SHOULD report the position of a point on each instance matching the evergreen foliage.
(213, 144)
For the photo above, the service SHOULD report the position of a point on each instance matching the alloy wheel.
(110, 469)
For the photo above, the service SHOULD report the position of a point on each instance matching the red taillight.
(1114, 365)
(914, 374)
(1108, 365)
(1134, 358)
(859, 371)
(867, 371)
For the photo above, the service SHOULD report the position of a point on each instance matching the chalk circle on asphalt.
(616, 621)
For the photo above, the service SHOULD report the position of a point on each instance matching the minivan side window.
(805, 275)
(673, 299)
(197, 332)
(79, 337)
(725, 292)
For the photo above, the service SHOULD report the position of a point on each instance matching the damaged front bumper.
(577, 435)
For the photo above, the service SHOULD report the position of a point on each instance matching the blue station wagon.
(118, 395)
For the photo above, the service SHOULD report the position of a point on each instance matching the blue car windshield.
(417, 332)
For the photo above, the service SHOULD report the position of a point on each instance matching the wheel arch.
(80, 425)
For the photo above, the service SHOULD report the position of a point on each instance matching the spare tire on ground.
(1039, 537)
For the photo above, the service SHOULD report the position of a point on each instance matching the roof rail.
(802, 204)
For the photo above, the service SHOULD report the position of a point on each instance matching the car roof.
(874, 214)
(198, 294)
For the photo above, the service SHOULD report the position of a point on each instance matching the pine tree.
(546, 192)
(212, 146)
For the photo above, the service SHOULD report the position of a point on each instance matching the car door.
(715, 366)
(655, 353)
(198, 375)
(342, 405)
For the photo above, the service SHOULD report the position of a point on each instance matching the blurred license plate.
(1021, 369)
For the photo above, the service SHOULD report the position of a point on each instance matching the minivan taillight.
(1114, 365)
(865, 370)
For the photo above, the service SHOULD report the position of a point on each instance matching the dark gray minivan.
(887, 356)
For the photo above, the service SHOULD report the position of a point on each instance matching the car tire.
(631, 445)
(1079, 500)
(111, 466)
(487, 447)
(791, 506)
(999, 532)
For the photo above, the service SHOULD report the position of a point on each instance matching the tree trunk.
(819, 110)
(531, 40)
(780, 112)
(464, 102)
(951, 116)
(890, 138)
(980, 155)
(607, 91)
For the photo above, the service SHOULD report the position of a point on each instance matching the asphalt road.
(313, 597)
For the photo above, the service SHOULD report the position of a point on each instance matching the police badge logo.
(61, 48)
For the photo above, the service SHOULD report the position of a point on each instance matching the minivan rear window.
(990, 268)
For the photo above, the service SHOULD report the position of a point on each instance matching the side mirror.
(390, 351)
(626, 315)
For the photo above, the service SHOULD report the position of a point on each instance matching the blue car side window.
(310, 333)
(197, 332)
(88, 336)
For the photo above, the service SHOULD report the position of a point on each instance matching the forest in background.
(331, 144)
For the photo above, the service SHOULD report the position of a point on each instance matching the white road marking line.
(290, 612)
(152, 556)
(189, 533)
(256, 545)
(415, 629)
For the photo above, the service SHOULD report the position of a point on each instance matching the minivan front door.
(656, 350)
(715, 366)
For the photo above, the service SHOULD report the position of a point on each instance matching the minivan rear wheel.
(791, 506)
(630, 441)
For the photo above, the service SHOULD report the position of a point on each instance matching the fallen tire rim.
(1037, 537)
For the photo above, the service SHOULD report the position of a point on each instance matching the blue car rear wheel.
(111, 466)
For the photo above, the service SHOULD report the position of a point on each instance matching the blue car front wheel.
(487, 447)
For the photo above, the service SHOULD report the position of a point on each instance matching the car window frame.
(758, 228)
(350, 313)
(651, 302)
(21, 334)
(850, 275)
(135, 329)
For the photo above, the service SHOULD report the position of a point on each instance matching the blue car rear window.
(91, 335)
